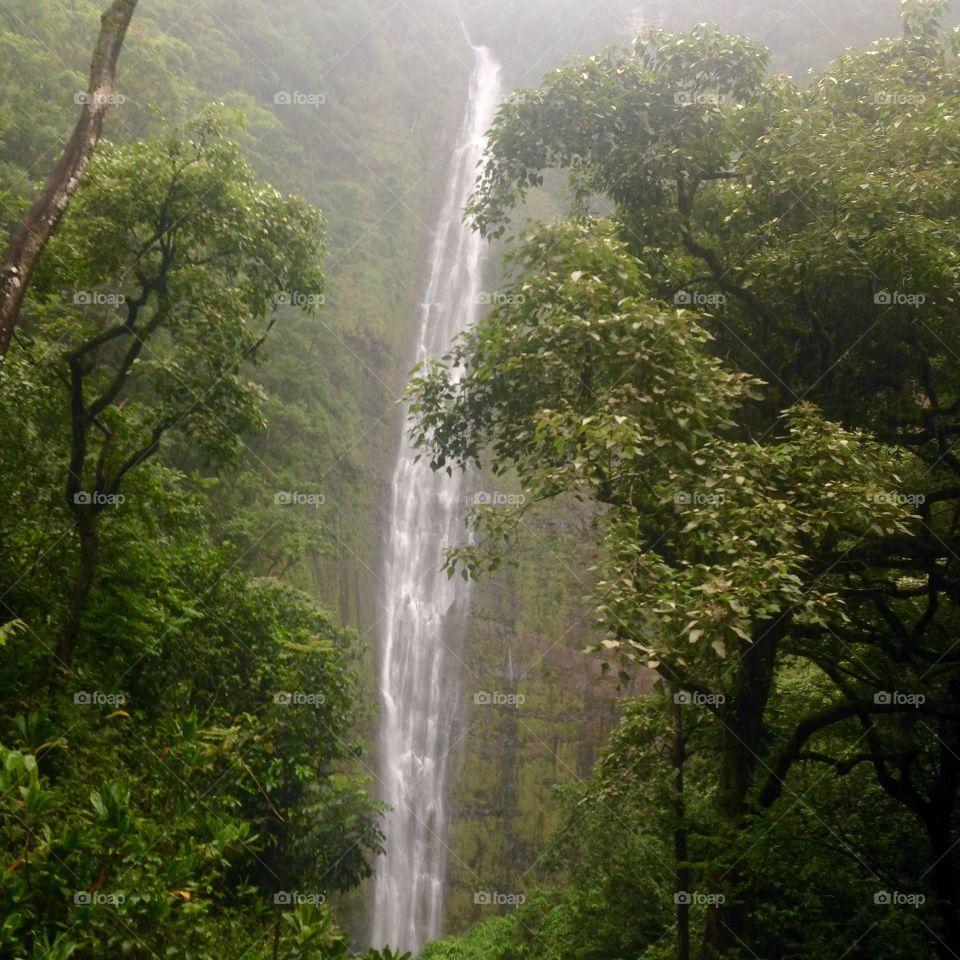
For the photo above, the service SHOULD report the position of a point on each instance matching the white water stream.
(424, 609)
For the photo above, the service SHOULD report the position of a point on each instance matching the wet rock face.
(535, 710)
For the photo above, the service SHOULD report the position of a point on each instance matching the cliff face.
(535, 711)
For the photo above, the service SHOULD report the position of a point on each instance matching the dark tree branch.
(794, 747)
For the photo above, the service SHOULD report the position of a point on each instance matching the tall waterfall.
(423, 620)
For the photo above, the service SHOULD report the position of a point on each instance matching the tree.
(204, 253)
(794, 217)
(715, 546)
(31, 236)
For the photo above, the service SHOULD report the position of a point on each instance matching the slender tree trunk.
(277, 919)
(89, 558)
(283, 862)
(681, 854)
(727, 926)
(30, 237)
(726, 922)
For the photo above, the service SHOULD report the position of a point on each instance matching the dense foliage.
(177, 762)
(184, 723)
(749, 369)
(179, 733)
(738, 348)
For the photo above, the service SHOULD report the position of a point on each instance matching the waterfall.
(424, 609)
(649, 14)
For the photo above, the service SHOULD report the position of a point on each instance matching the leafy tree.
(715, 545)
(224, 779)
(793, 217)
(203, 252)
(220, 774)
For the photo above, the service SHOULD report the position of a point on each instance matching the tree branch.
(31, 236)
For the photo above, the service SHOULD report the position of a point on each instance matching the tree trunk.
(728, 922)
(283, 863)
(945, 885)
(681, 854)
(31, 236)
(89, 558)
(939, 823)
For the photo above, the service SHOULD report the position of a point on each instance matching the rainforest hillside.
(706, 689)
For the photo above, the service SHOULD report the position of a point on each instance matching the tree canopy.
(748, 369)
